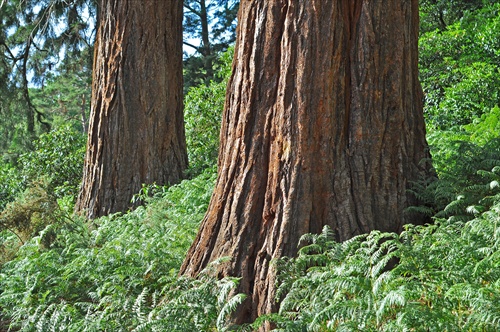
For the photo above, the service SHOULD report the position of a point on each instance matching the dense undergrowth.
(118, 273)
(446, 277)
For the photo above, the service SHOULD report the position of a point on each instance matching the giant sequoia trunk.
(136, 129)
(323, 125)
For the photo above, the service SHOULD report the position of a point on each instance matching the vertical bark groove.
(323, 125)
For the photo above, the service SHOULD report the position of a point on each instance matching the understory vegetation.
(61, 272)
(118, 273)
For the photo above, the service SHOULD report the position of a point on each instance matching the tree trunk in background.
(136, 129)
(323, 125)
(83, 116)
(205, 41)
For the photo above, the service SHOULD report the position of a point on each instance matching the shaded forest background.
(60, 271)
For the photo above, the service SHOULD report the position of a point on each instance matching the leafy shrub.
(203, 114)
(466, 160)
(31, 191)
(10, 184)
(57, 156)
(473, 191)
(437, 14)
(9, 246)
(459, 68)
(57, 160)
(30, 213)
(473, 95)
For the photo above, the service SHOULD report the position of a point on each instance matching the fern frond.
(140, 303)
(228, 308)
(424, 210)
(42, 323)
(393, 299)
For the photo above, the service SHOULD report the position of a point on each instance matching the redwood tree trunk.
(323, 125)
(136, 129)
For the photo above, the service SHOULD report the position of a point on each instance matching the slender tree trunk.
(205, 39)
(83, 115)
(323, 125)
(30, 112)
(136, 130)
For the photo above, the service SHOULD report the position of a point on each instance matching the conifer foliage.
(38, 39)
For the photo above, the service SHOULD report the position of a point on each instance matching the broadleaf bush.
(203, 109)
(57, 156)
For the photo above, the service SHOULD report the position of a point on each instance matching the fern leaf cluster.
(441, 277)
(119, 273)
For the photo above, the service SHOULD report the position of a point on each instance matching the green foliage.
(9, 246)
(30, 213)
(202, 304)
(10, 184)
(474, 94)
(484, 129)
(209, 29)
(39, 39)
(120, 272)
(203, 115)
(459, 68)
(466, 160)
(442, 277)
(56, 161)
(439, 14)
(58, 157)
(65, 98)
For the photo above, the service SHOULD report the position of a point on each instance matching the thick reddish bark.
(136, 129)
(323, 125)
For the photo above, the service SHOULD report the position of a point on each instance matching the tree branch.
(192, 10)
(197, 48)
(31, 108)
(11, 55)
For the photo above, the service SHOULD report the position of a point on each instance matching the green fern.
(445, 279)
(118, 273)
